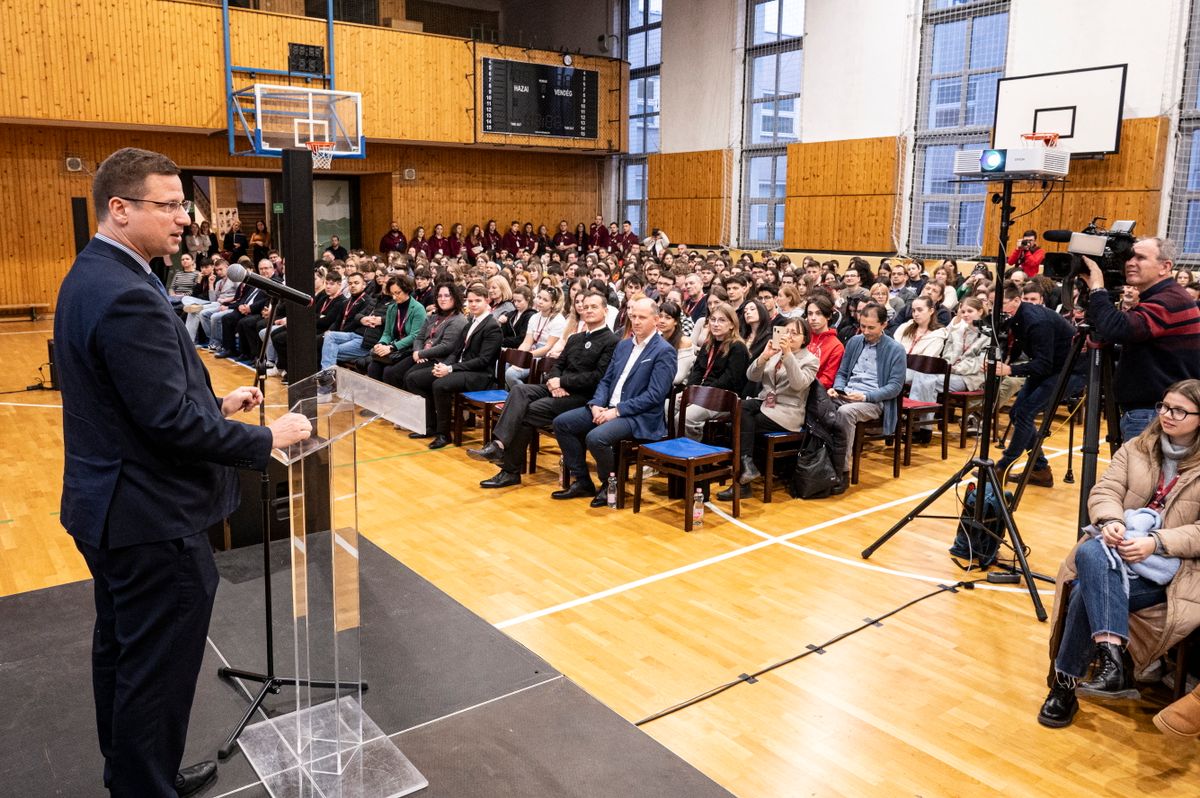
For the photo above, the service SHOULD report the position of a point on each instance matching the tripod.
(271, 682)
(986, 476)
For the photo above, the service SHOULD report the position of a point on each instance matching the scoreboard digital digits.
(539, 99)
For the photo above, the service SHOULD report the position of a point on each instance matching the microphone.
(1058, 236)
(239, 274)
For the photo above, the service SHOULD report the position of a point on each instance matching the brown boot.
(1040, 477)
(1182, 718)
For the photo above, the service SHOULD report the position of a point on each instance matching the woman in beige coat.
(1133, 597)
(786, 370)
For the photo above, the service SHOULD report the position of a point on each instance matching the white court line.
(768, 540)
(27, 404)
(28, 332)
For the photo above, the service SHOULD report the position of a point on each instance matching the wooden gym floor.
(940, 699)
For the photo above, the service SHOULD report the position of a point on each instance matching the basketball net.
(322, 154)
(1048, 139)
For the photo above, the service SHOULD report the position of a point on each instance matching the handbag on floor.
(814, 476)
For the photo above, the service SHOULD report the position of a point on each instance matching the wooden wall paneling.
(687, 194)
(453, 184)
(841, 195)
(1123, 186)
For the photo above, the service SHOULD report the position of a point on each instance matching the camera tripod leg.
(989, 474)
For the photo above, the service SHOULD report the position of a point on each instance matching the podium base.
(373, 769)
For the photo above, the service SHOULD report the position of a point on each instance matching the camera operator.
(1159, 337)
(1045, 337)
(1028, 255)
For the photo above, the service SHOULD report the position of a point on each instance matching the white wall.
(701, 80)
(859, 70)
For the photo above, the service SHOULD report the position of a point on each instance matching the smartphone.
(777, 336)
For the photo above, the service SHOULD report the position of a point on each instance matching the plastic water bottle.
(612, 491)
(698, 510)
(562, 471)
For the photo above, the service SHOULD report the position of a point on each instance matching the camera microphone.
(240, 274)
(1058, 236)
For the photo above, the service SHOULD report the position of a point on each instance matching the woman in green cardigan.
(400, 326)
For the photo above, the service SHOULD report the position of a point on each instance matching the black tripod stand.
(986, 477)
(271, 682)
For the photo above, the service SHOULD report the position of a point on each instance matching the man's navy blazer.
(149, 455)
(644, 394)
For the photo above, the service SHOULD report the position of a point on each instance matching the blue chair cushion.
(778, 434)
(684, 448)
(485, 397)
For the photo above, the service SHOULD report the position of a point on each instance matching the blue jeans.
(340, 345)
(1098, 605)
(1133, 422)
(1031, 400)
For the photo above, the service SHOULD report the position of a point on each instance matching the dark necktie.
(157, 283)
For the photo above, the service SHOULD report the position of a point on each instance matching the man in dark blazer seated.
(472, 367)
(629, 403)
(572, 381)
(150, 461)
(249, 309)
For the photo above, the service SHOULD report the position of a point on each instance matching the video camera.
(1109, 248)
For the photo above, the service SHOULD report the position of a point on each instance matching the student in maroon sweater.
(437, 242)
(491, 237)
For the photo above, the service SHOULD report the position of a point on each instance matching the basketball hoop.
(1048, 139)
(322, 153)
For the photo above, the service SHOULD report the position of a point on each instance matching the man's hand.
(441, 370)
(244, 310)
(1095, 276)
(604, 416)
(833, 394)
(242, 399)
(1003, 370)
(371, 321)
(1136, 550)
(288, 429)
(382, 350)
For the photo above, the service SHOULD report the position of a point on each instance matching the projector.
(1032, 162)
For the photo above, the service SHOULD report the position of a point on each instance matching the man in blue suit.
(628, 403)
(150, 460)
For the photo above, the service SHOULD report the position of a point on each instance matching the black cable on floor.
(751, 678)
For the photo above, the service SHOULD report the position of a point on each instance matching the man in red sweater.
(1028, 255)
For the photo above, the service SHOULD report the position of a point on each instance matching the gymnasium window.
(642, 25)
(963, 48)
(774, 65)
(1183, 224)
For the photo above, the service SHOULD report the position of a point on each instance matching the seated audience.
(571, 382)
(627, 405)
(669, 326)
(1139, 557)
(786, 371)
(344, 340)
(469, 367)
(542, 331)
(823, 340)
(403, 319)
(720, 363)
(870, 378)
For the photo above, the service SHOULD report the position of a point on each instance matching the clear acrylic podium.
(329, 747)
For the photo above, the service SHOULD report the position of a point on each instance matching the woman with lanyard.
(1139, 556)
(403, 320)
(824, 343)
(721, 363)
(542, 333)
(786, 369)
(438, 336)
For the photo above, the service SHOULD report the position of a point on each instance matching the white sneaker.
(273, 372)
(974, 425)
(648, 472)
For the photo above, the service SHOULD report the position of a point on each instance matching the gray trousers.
(849, 414)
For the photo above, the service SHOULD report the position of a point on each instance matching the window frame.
(1185, 188)
(639, 158)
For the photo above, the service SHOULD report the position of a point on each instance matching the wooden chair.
(486, 403)
(964, 403)
(777, 445)
(911, 410)
(692, 461)
(539, 375)
(628, 449)
(873, 430)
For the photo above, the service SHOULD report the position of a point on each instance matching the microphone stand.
(271, 682)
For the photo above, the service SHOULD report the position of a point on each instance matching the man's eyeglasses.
(1176, 413)
(173, 207)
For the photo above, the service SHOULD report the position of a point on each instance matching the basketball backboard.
(272, 118)
(1083, 106)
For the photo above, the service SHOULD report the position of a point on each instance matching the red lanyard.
(712, 353)
(350, 306)
(1160, 495)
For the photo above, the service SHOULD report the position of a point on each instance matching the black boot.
(1113, 676)
(1059, 708)
(750, 471)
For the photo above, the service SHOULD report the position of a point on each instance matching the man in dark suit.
(150, 463)
(472, 367)
(572, 381)
(628, 404)
(250, 306)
